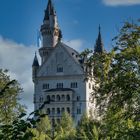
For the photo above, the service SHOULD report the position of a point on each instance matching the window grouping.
(74, 85)
(58, 111)
(59, 85)
(58, 98)
(55, 121)
(45, 86)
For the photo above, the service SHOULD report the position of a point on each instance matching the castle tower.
(51, 34)
(99, 47)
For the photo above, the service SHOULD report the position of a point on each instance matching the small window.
(48, 111)
(45, 86)
(53, 111)
(58, 110)
(68, 97)
(68, 110)
(59, 85)
(59, 68)
(58, 98)
(89, 86)
(63, 110)
(48, 98)
(78, 110)
(41, 99)
(53, 97)
(63, 97)
(74, 85)
(78, 98)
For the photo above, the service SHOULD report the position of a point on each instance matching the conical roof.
(99, 47)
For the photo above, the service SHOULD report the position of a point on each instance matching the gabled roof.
(73, 53)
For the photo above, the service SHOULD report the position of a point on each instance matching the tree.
(10, 107)
(42, 130)
(88, 129)
(123, 85)
(65, 129)
(117, 75)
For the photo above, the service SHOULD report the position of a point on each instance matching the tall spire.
(50, 31)
(35, 62)
(49, 11)
(99, 47)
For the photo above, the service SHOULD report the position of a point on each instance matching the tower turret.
(35, 67)
(99, 47)
(51, 34)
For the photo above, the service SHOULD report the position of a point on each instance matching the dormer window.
(59, 68)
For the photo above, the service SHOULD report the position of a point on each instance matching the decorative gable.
(62, 61)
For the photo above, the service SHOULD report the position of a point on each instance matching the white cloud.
(77, 44)
(121, 2)
(17, 58)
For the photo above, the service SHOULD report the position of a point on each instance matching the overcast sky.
(78, 19)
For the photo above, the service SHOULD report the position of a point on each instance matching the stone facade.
(60, 78)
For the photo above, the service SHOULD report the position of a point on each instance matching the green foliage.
(65, 129)
(88, 129)
(117, 88)
(10, 107)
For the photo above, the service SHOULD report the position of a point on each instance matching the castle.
(60, 78)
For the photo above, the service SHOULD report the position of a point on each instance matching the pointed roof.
(35, 62)
(99, 47)
(49, 10)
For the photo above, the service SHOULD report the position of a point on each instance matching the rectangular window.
(59, 68)
(74, 85)
(59, 85)
(78, 110)
(45, 86)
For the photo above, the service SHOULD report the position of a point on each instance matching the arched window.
(58, 97)
(58, 110)
(53, 111)
(78, 98)
(48, 111)
(53, 97)
(59, 68)
(48, 98)
(68, 110)
(68, 97)
(62, 110)
(63, 97)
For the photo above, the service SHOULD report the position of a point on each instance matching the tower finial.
(99, 48)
